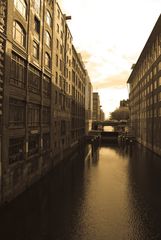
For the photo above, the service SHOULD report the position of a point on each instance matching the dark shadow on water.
(44, 211)
(144, 171)
(55, 208)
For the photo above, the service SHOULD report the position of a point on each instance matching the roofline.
(157, 26)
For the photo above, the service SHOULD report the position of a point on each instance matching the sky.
(110, 36)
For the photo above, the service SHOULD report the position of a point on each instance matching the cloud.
(114, 81)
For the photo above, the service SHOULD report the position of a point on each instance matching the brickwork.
(36, 91)
(145, 93)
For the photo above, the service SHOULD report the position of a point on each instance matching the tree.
(121, 113)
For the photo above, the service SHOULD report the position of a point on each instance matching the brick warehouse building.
(145, 93)
(36, 86)
(3, 15)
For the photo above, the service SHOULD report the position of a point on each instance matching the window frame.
(16, 150)
(47, 60)
(22, 11)
(18, 71)
(37, 25)
(37, 48)
(16, 112)
(19, 29)
(48, 18)
(48, 39)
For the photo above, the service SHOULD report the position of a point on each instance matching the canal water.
(112, 193)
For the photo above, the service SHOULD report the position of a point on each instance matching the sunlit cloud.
(114, 81)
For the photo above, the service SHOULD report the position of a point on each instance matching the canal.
(109, 194)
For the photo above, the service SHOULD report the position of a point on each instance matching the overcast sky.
(110, 35)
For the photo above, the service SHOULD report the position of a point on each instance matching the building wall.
(88, 103)
(27, 146)
(145, 93)
(102, 115)
(62, 83)
(39, 125)
(96, 106)
(3, 16)
(78, 98)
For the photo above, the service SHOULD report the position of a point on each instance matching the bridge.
(99, 124)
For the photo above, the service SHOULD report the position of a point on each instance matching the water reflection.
(109, 193)
(145, 194)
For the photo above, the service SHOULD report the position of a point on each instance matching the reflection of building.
(44, 113)
(96, 106)
(145, 93)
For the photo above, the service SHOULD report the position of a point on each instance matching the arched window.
(48, 18)
(19, 34)
(47, 39)
(47, 60)
(21, 6)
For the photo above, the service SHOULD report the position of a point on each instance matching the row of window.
(17, 114)
(21, 7)
(18, 77)
(149, 114)
(150, 56)
(17, 147)
(19, 36)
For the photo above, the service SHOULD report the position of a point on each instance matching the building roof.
(156, 29)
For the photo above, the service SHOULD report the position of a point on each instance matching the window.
(48, 18)
(61, 35)
(61, 49)
(34, 80)
(20, 5)
(159, 112)
(46, 141)
(37, 25)
(36, 50)
(33, 115)
(47, 60)
(56, 78)
(37, 6)
(63, 127)
(16, 150)
(33, 145)
(47, 39)
(60, 81)
(18, 71)
(19, 34)
(56, 97)
(57, 28)
(58, 14)
(159, 66)
(46, 86)
(159, 97)
(57, 60)
(57, 43)
(46, 115)
(60, 65)
(16, 113)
